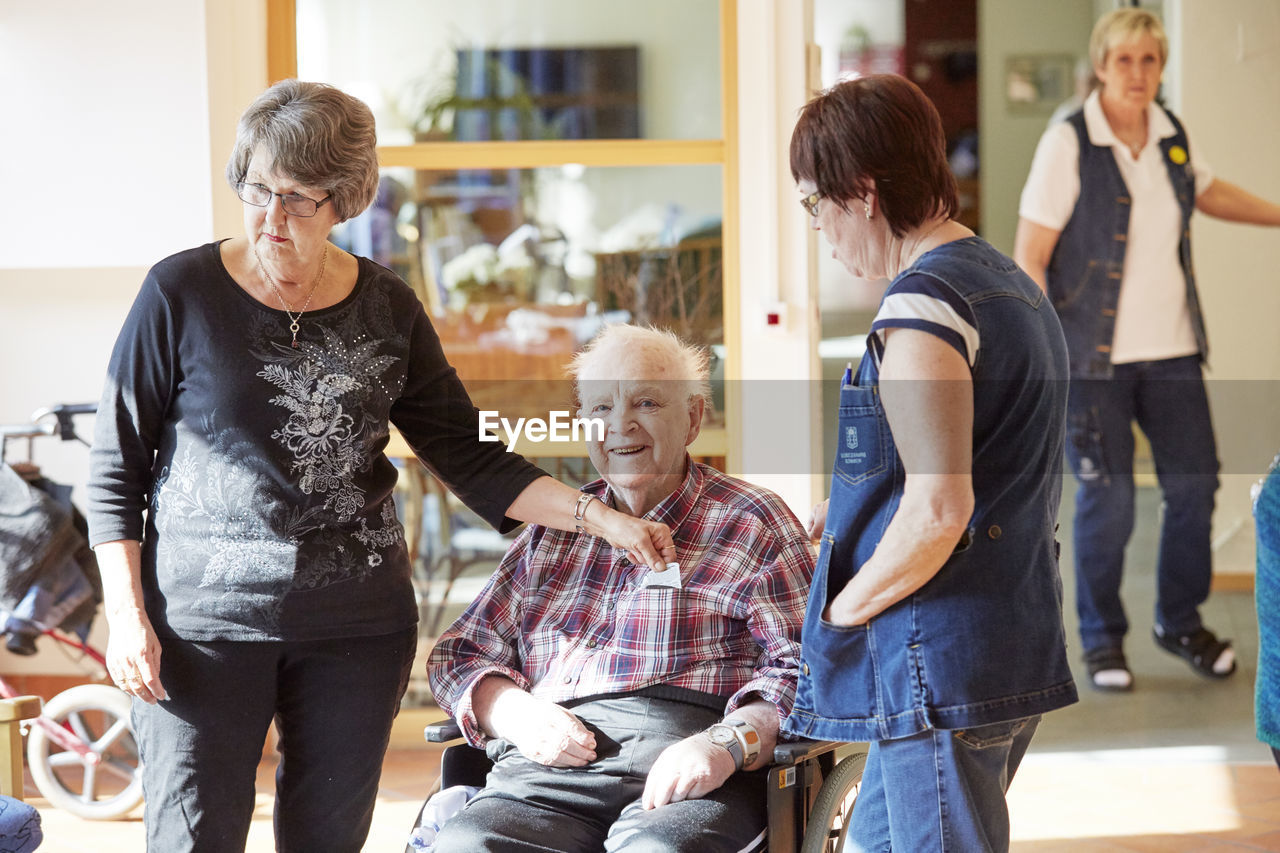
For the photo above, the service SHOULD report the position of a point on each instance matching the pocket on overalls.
(861, 449)
(836, 663)
(839, 671)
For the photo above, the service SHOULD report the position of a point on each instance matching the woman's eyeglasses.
(293, 204)
(810, 203)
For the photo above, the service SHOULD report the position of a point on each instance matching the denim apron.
(982, 642)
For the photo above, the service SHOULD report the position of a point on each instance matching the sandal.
(1108, 669)
(1207, 655)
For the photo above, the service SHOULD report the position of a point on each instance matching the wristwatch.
(580, 509)
(737, 736)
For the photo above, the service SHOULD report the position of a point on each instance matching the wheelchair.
(810, 798)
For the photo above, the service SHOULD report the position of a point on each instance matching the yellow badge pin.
(1178, 154)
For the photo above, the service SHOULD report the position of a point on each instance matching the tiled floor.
(1174, 766)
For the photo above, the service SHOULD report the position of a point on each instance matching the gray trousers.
(527, 806)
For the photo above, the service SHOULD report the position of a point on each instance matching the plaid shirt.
(565, 615)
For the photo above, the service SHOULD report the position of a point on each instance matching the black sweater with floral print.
(253, 472)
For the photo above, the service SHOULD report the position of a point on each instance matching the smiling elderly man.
(619, 704)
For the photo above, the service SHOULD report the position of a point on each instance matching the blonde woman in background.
(1104, 228)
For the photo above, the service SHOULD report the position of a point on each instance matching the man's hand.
(543, 731)
(687, 770)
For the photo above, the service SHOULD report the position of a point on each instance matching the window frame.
(282, 62)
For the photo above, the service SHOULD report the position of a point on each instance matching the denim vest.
(1087, 264)
(983, 641)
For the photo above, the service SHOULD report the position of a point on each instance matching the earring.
(867, 205)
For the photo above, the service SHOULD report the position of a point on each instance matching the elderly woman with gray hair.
(240, 500)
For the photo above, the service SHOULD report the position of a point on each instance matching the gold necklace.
(916, 253)
(293, 321)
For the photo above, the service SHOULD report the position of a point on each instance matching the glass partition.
(434, 70)
(520, 267)
(612, 114)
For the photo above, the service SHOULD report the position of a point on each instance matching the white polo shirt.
(1152, 319)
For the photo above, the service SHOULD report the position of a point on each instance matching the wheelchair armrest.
(442, 732)
(796, 751)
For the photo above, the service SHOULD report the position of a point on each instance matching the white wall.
(160, 90)
(1007, 140)
(102, 154)
(1230, 101)
(167, 81)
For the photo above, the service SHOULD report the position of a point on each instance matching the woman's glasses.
(810, 203)
(293, 204)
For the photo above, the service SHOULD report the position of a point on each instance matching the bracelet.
(580, 509)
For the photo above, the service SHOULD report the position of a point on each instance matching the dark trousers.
(333, 701)
(526, 806)
(1167, 399)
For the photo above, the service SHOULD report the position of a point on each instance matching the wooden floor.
(407, 775)
(1089, 806)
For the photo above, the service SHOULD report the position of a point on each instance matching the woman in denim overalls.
(934, 627)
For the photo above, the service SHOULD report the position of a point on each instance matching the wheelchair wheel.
(828, 822)
(109, 788)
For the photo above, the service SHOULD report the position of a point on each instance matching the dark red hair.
(878, 132)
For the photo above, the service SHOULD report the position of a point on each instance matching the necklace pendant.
(295, 343)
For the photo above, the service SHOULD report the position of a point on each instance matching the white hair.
(692, 364)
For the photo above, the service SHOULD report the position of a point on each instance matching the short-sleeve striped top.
(924, 303)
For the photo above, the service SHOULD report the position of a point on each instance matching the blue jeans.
(1167, 399)
(940, 790)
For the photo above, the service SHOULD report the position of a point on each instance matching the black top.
(269, 497)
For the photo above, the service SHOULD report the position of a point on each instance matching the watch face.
(722, 735)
